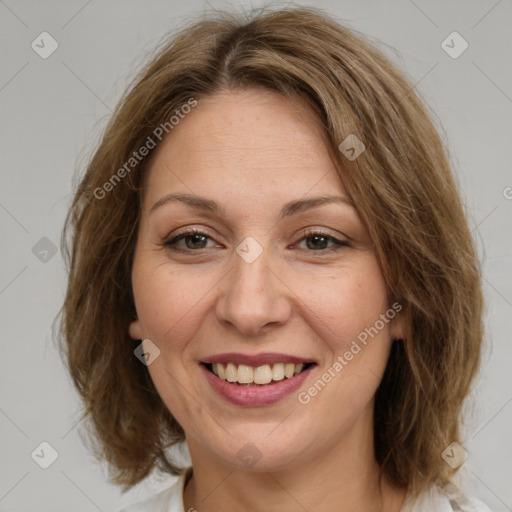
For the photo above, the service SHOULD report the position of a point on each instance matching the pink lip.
(255, 396)
(255, 360)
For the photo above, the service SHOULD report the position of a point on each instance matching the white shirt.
(433, 499)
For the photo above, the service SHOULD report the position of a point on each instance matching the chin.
(259, 452)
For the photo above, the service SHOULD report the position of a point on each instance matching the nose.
(253, 296)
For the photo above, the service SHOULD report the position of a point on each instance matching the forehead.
(247, 142)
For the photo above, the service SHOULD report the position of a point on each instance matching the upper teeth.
(244, 374)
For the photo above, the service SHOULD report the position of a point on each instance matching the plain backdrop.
(52, 111)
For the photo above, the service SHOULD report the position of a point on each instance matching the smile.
(255, 380)
(259, 375)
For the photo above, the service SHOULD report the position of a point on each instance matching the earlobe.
(135, 330)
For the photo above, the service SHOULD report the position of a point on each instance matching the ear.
(135, 330)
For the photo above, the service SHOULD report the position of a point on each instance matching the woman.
(270, 261)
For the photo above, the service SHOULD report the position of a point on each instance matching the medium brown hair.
(403, 189)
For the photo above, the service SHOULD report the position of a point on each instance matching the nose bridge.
(253, 296)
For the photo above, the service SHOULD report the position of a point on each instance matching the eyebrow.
(291, 208)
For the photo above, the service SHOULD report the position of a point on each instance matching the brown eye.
(320, 242)
(317, 242)
(194, 240)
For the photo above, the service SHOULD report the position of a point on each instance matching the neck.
(346, 478)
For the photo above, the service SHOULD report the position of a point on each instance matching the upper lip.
(256, 359)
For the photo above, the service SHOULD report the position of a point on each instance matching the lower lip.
(254, 396)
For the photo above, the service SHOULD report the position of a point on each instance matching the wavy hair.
(405, 193)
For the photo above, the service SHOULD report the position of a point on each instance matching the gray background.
(52, 112)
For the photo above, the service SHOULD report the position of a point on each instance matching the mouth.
(263, 375)
(253, 381)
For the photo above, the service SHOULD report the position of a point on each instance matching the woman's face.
(272, 278)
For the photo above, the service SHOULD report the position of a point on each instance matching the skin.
(252, 151)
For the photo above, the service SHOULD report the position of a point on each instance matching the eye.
(193, 239)
(317, 241)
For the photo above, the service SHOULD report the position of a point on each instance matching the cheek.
(171, 307)
(169, 303)
(342, 305)
(347, 310)
(359, 341)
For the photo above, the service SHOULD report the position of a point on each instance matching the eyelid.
(336, 240)
(171, 241)
(188, 231)
(309, 231)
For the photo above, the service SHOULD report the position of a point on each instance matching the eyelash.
(171, 242)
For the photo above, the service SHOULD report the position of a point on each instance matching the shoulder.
(168, 500)
(443, 499)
